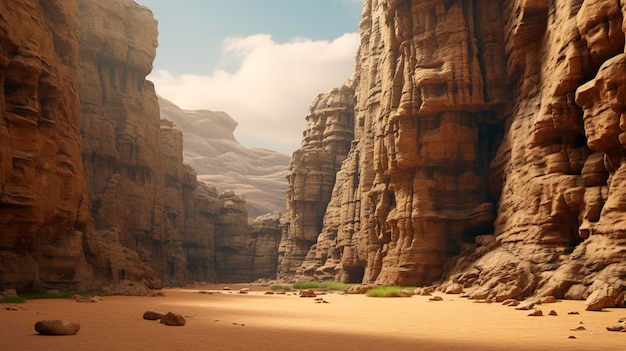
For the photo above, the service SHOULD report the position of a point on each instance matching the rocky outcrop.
(243, 253)
(211, 149)
(488, 152)
(43, 205)
(265, 233)
(311, 174)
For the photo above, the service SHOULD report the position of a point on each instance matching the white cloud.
(270, 88)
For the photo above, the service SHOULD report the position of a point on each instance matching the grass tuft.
(327, 285)
(388, 291)
(280, 287)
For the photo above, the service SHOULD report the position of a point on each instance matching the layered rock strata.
(311, 174)
(127, 214)
(43, 206)
(487, 131)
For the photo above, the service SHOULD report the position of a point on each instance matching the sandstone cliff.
(128, 211)
(212, 150)
(489, 150)
(43, 205)
(311, 174)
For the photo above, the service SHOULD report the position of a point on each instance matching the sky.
(261, 61)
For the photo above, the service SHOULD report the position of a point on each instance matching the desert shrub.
(388, 291)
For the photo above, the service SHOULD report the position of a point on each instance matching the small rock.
(536, 313)
(602, 298)
(553, 313)
(308, 293)
(580, 327)
(173, 319)
(14, 307)
(455, 288)
(571, 337)
(436, 298)
(269, 292)
(573, 312)
(617, 328)
(528, 304)
(152, 315)
(548, 299)
(57, 327)
(227, 288)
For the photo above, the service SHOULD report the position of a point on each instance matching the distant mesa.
(210, 147)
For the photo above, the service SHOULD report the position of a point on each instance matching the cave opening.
(354, 274)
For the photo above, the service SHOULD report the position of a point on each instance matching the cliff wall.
(43, 204)
(93, 190)
(488, 151)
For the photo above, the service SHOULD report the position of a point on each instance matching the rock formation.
(489, 150)
(127, 215)
(265, 233)
(212, 150)
(311, 174)
(43, 205)
(245, 253)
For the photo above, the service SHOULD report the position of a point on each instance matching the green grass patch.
(12, 299)
(280, 287)
(54, 295)
(389, 291)
(327, 285)
(22, 298)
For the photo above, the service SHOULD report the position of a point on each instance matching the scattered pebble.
(571, 337)
(574, 312)
(436, 298)
(553, 313)
(536, 313)
(580, 327)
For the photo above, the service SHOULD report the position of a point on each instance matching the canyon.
(479, 144)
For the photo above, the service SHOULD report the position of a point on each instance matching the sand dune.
(231, 321)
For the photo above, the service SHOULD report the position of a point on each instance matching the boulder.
(57, 327)
(173, 319)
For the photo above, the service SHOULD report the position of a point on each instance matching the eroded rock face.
(233, 255)
(43, 209)
(492, 132)
(265, 232)
(311, 174)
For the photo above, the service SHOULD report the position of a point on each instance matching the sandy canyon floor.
(227, 320)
